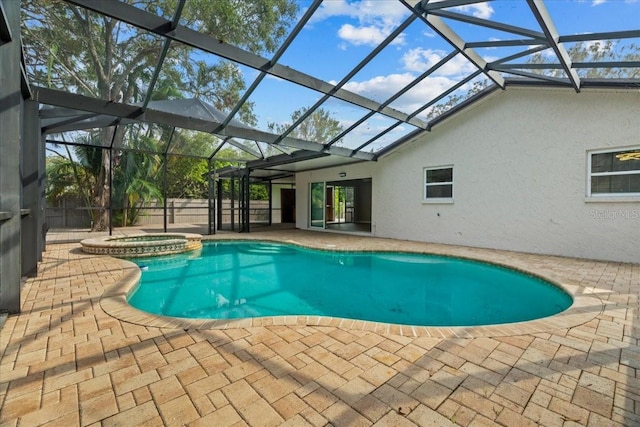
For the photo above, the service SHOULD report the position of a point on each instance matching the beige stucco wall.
(520, 176)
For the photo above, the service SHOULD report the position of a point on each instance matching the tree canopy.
(595, 51)
(70, 48)
(319, 126)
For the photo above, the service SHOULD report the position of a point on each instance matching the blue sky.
(342, 32)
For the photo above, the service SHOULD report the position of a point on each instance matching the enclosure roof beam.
(489, 24)
(390, 38)
(378, 136)
(68, 125)
(83, 103)
(506, 43)
(612, 35)
(281, 175)
(517, 55)
(129, 149)
(601, 64)
(430, 6)
(73, 144)
(166, 149)
(290, 38)
(446, 93)
(157, 25)
(551, 33)
(240, 146)
(440, 27)
(397, 95)
(403, 91)
(285, 159)
(163, 55)
(412, 136)
(124, 111)
(557, 80)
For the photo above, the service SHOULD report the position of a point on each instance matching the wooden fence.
(179, 211)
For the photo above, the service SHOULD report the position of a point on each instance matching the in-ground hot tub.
(142, 245)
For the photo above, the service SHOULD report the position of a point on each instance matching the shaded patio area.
(66, 362)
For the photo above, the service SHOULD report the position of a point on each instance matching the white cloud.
(419, 60)
(597, 2)
(374, 19)
(380, 87)
(272, 77)
(365, 35)
(479, 10)
(329, 9)
(490, 58)
(364, 11)
(383, 87)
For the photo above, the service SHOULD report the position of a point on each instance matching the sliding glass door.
(317, 204)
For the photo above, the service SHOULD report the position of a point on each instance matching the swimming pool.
(247, 279)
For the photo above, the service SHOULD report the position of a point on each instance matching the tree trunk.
(102, 201)
(125, 210)
(101, 217)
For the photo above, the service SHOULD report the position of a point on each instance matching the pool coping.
(586, 305)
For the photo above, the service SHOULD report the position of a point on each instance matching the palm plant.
(136, 175)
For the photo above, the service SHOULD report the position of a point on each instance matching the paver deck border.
(586, 305)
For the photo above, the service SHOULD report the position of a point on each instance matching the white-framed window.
(438, 183)
(614, 172)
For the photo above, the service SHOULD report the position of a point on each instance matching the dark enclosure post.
(10, 130)
(233, 196)
(247, 197)
(211, 212)
(110, 191)
(219, 207)
(32, 177)
(271, 203)
(164, 192)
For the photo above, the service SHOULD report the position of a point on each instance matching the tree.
(135, 178)
(595, 51)
(187, 176)
(71, 48)
(456, 98)
(63, 177)
(73, 175)
(318, 127)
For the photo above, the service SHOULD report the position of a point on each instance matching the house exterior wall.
(520, 176)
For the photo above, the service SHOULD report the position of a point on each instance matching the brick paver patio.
(65, 361)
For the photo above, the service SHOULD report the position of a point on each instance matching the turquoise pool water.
(230, 280)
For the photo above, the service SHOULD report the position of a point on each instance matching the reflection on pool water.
(231, 280)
